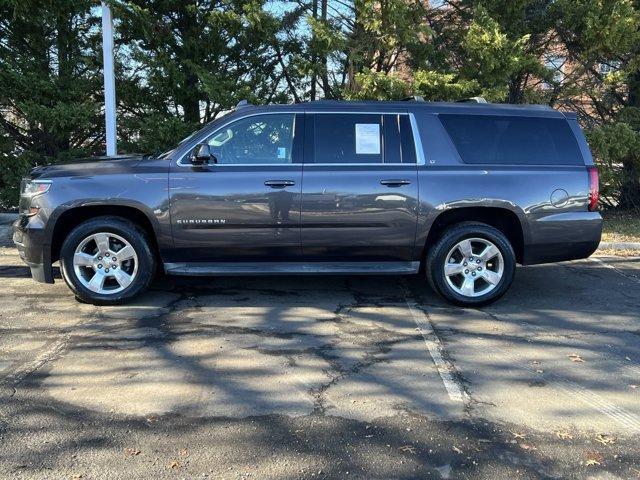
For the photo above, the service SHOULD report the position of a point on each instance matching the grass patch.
(621, 226)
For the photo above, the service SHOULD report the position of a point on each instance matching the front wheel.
(106, 261)
(471, 265)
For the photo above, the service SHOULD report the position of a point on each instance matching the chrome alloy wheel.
(474, 267)
(105, 263)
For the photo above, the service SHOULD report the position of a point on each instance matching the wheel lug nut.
(474, 273)
(99, 265)
(99, 258)
(106, 270)
(466, 271)
(106, 254)
(465, 264)
(471, 259)
(477, 261)
(113, 266)
(479, 268)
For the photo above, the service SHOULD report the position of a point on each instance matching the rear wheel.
(471, 264)
(106, 261)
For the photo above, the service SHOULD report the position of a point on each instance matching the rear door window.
(360, 138)
(511, 140)
(348, 138)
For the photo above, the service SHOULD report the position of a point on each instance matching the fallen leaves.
(605, 439)
(564, 435)
(174, 464)
(408, 448)
(517, 435)
(574, 357)
(593, 459)
(457, 450)
(131, 452)
(526, 446)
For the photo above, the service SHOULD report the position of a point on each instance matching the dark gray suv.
(459, 191)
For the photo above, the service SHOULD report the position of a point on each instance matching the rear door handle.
(394, 182)
(279, 183)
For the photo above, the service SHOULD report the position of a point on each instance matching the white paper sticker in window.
(282, 152)
(367, 139)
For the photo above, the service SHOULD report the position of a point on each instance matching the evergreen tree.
(607, 34)
(50, 85)
(183, 63)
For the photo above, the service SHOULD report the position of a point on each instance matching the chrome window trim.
(356, 164)
(179, 163)
(420, 158)
(359, 112)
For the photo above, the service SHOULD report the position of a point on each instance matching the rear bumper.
(563, 236)
(30, 239)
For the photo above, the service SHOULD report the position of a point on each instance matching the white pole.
(109, 80)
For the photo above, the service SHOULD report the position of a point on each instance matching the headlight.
(31, 188)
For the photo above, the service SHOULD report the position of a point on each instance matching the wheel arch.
(503, 219)
(70, 217)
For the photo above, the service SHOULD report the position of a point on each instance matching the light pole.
(109, 80)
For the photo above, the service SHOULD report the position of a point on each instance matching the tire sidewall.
(126, 230)
(448, 241)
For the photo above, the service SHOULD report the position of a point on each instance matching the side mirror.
(201, 154)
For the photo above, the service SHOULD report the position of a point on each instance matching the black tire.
(437, 256)
(136, 236)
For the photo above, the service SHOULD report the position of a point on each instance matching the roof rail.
(242, 104)
(415, 98)
(473, 100)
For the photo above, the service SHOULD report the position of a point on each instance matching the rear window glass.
(506, 140)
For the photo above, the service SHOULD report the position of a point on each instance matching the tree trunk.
(64, 39)
(314, 58)
(325, 64)
(190, 102)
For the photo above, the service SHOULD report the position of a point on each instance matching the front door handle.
(395, 182)
(279, 183)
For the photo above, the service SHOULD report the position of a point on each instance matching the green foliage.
(443, 86)
(492, 58)
(378, 86)
(613, 145)
(12, 169)
(49, 85)
(190, 61)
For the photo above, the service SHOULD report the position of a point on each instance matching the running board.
(291, 268)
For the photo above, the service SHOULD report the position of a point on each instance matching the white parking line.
(434, 345)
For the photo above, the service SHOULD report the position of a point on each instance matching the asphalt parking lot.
(323, 377)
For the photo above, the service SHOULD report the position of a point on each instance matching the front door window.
(255, 140)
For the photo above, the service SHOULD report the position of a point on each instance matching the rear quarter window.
(510, 140)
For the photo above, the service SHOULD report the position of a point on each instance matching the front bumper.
(30, 238)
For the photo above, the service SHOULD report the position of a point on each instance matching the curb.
(619, 246)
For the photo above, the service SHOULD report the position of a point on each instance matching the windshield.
(168, 153)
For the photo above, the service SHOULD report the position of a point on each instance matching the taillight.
(594, 188)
